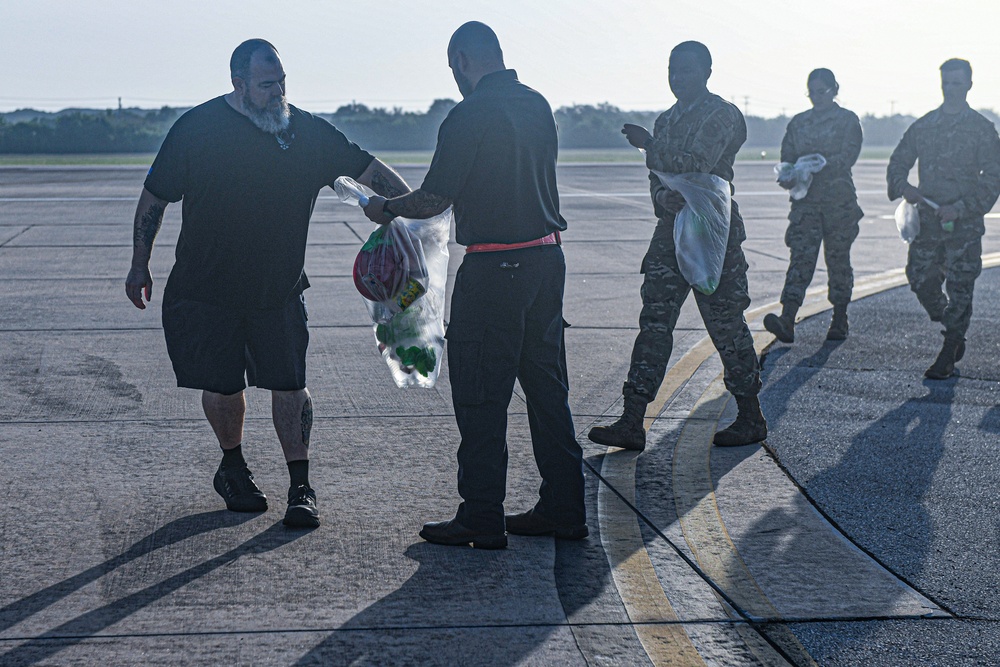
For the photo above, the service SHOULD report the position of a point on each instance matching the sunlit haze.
(90, 53)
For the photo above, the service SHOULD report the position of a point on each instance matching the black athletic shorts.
(223, 350)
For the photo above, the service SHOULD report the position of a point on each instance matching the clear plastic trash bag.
(401, 272)
(701, 228)
(907, 221)
(799, 176)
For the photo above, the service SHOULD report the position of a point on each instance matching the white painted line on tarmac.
(752, 193)
(569, 195)
(892, 217)
(595, 195)
(739, 193)
(65, 199)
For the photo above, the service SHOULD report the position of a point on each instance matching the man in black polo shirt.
(248, 167)
(495, 162)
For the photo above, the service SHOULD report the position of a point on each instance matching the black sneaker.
(301, 512)
(236, 486)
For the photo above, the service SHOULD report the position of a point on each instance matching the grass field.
(566, 156)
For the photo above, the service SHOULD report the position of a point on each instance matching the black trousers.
(506, 324)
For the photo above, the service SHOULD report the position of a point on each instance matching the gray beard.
(268, 119)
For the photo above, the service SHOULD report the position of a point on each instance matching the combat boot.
(944, 366)
(749, 427)
(627, 432)
(783, 326)
(838, 325)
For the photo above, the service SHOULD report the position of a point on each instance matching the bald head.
(239, 63)
(473, 52)
(479, 44)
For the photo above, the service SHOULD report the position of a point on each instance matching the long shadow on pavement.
(94, 621)
(881, 478)
(164, 536)
(473, 607)
(891, 465)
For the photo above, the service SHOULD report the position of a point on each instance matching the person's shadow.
(879, 483)
(466, 606)
(92, 622)
(776, 395)
(894, 461)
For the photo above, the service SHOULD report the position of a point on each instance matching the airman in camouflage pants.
(834, 227)
(701, 134)
(957, 151)
(936, 256)
(828, 214)
(664, 291)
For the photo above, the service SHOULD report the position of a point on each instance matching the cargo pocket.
(465, 357)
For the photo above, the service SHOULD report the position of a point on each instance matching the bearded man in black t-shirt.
(248, 167)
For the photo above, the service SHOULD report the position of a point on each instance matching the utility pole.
(746, 105)
(892, 107)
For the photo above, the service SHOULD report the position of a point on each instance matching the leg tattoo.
(307, 421)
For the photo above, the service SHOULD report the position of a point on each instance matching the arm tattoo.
(383, 186)
(307, 421)
(419, 205)
(147, 226)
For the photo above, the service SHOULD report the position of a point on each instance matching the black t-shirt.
(247, 201)
(496, 160)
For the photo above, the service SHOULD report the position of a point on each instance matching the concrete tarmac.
(863, 532)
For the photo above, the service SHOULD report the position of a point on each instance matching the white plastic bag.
(907, 221)
(405, 269)
(800, 174)
(701, 228)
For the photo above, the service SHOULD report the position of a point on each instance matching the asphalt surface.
(863, 533)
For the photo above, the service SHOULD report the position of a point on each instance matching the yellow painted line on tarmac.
(638, 586)
(675, 378)
(706, 534)
(701, 521)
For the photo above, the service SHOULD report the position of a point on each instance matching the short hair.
(957, 63)
(826, 76)
(239, 63)
(697, 49)
(476, 40)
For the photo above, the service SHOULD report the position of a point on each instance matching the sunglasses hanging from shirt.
(284, 139)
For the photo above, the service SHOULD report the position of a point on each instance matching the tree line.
(580, 126)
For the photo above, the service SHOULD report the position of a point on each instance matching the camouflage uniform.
(702, 137)
(829, 213)
(959, 165)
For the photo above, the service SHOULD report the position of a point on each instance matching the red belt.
(551, 239)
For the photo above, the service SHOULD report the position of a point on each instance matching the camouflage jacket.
(702, 137)
(959, 158)
(836, 135)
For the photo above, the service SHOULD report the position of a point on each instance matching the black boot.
(627, 432)
(944, 365)
(783, 326)
(838, 325)
(749, 427)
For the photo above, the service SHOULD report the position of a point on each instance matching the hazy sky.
(63, 53)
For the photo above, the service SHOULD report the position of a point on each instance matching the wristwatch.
(385, 209)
